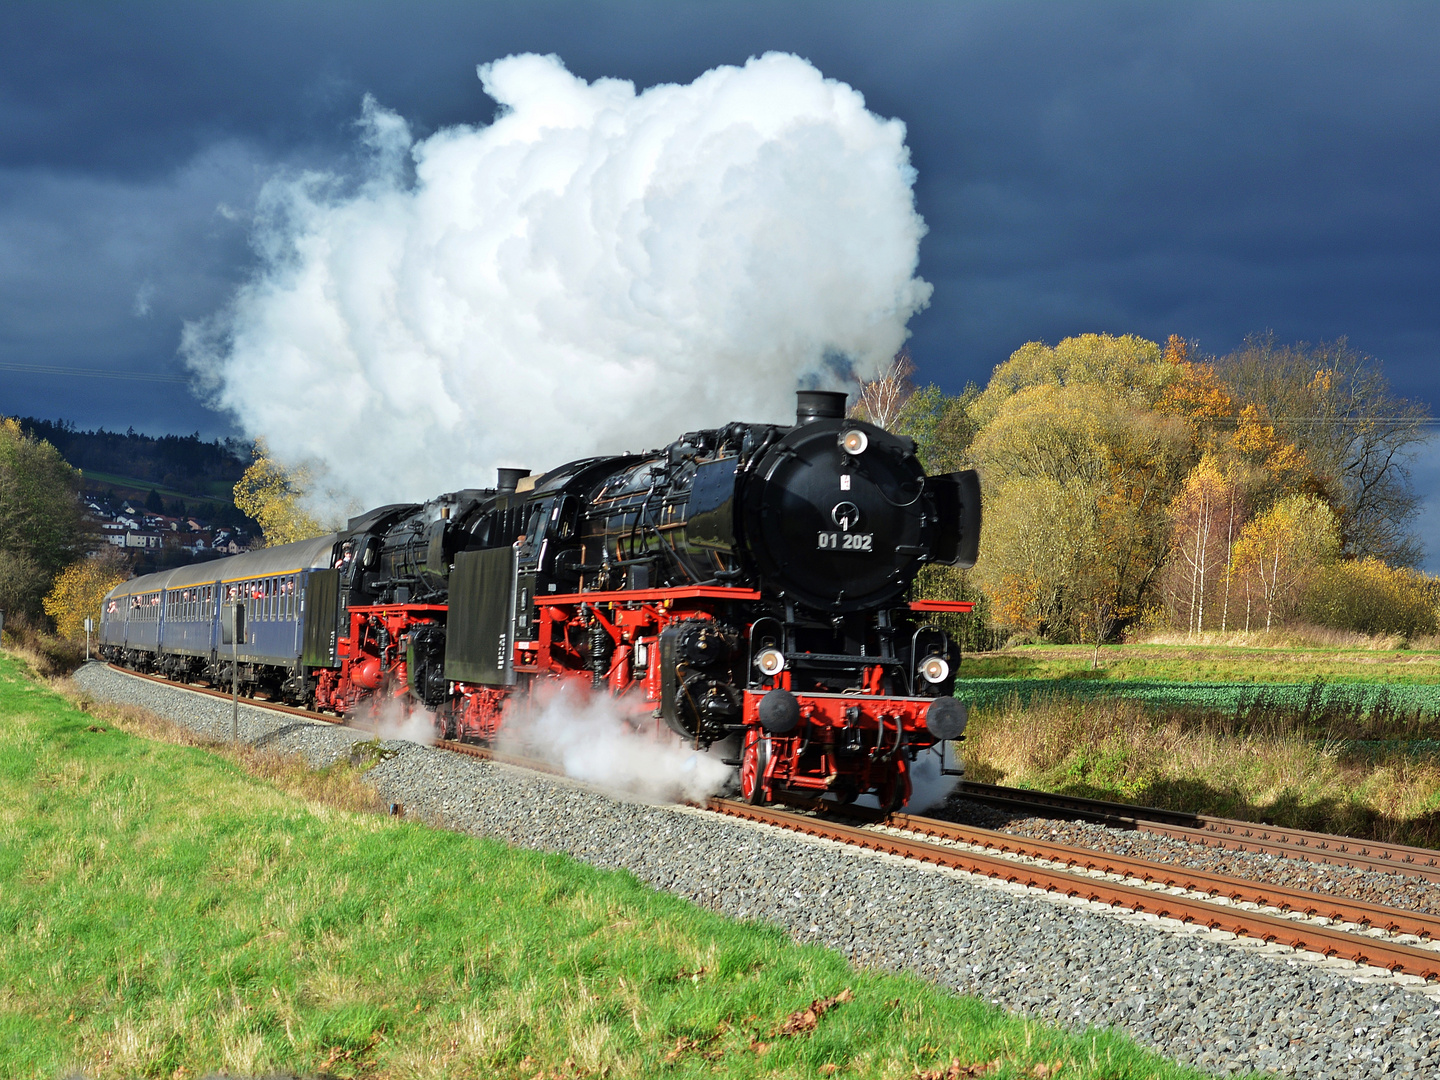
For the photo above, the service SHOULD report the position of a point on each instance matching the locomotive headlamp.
(770, 661)
(854, 441)
(934, 669)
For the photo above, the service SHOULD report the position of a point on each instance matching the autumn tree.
(1128, 365)
(1334, 405)
(1206, 516)
(1279, 550)
(941, 426)
(274, 495)
(1194, 390)
(39, 505)
(80, 588)
(1368, 597)
(22, 584)
(1079, 477)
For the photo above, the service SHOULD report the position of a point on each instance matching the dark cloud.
(1211, 169)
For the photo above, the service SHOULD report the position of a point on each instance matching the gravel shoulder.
(1202, 998)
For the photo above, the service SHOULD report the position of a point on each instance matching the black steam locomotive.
(745, 583)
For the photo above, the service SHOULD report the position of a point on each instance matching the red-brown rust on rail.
(1228, 833)
(1242, 890)
(1391, 955)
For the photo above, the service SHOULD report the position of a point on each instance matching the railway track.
(468, 749)
(1362, 948)
(1162, 889)
(1218, 832)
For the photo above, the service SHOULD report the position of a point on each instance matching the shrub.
(22, 584)
(49, 655)
(80, 589)
(1368, 597)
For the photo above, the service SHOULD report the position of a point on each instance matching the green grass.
(165, 912)
(1356, 698)
(1207, 663)
(214, 490)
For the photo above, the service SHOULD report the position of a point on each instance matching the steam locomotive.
(744, 585)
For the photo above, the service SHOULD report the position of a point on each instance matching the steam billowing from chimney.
(598, 270)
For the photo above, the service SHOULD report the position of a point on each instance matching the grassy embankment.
(171, 909)
(1338, 738)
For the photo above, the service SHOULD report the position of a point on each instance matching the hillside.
(130, 465)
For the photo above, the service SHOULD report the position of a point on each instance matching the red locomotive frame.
(373, 667)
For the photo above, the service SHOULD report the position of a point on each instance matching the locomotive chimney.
(509, 478)
(818, 405)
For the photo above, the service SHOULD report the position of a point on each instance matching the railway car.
(744, 585)
(169, 623)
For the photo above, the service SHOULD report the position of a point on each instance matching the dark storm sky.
(1205, 169)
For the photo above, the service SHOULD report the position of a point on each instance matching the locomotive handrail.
(682, 592)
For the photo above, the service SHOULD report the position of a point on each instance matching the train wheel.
(754, 758)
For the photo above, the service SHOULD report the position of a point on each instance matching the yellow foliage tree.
(1128, 365)
(1196, 392)
(1369, 597)
(271, 494)
(1280, 550)
(1079, 478)
(79, 590)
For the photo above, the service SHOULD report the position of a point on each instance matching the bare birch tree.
(883, 399)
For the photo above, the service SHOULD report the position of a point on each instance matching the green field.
(216, 491)
(172, 910)
(1319, 698)
(1206, 664)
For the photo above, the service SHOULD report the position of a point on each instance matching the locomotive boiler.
(745, 585)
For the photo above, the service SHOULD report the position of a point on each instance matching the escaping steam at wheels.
(744, 587)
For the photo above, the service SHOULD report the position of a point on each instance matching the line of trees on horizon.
(1130, 485)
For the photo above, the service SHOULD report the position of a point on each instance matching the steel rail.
(1170, 875)
(1378, 952)
(1221, 832)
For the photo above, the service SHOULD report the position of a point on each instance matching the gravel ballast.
(1392, 890)
(1203, 998)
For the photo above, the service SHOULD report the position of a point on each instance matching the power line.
(93, 373)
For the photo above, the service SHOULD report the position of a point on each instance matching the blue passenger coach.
(170, 622)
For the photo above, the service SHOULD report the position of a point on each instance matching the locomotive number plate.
(838, 541)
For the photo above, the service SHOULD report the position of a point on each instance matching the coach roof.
(311, 554)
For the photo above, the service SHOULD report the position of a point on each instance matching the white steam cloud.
(591, 738)
(597, 270)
